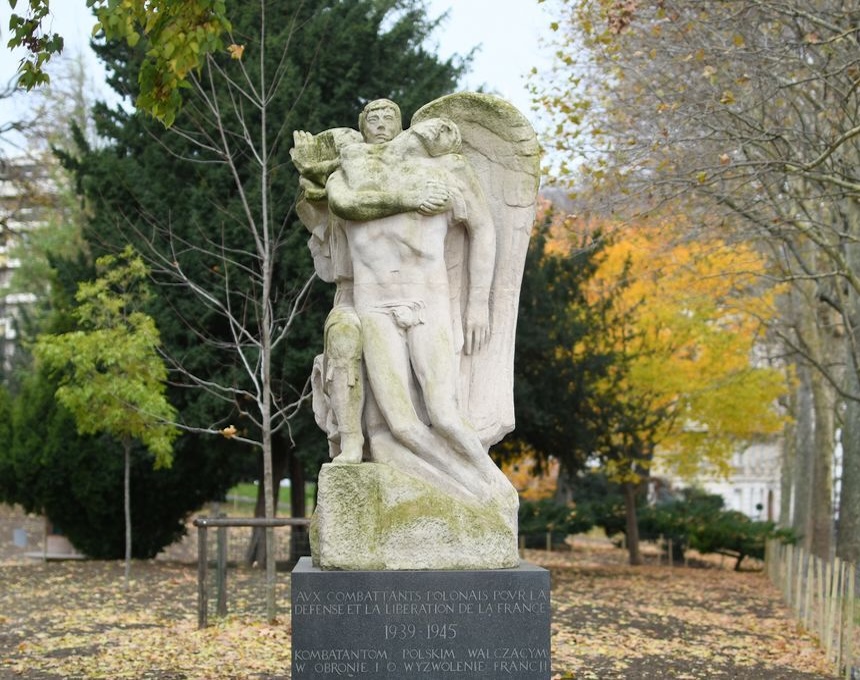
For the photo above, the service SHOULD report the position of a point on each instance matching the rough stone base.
(372, 517)
(427, 625)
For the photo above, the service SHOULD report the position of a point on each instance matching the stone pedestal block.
(371, 516)
(421, 625)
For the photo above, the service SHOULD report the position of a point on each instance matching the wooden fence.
(221, 561)
(823, 596)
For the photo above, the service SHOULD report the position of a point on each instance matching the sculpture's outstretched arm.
(310, 160)
(317, 156)
(430, 198)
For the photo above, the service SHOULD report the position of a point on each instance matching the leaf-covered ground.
(74, 620)
(615, 621)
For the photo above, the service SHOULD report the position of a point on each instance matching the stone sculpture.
(424, 232)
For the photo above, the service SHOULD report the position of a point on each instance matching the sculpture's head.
(439, 136)
(380, 121)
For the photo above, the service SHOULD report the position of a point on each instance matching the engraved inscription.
(426, 633)
(347, 662)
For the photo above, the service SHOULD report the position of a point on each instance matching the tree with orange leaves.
(682, 319)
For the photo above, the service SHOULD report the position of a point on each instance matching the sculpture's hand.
(313, 191)
(435, 198)
(304, 152)
(477, 328)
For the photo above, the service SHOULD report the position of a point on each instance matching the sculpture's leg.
(433, 363)
(450, 444)
(344, 381)
(388, 368)
(432, 357)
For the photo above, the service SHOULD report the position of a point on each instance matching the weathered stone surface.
(424, 233)
(371, 516)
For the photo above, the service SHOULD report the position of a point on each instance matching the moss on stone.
(371, 516)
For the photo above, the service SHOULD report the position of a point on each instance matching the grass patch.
(242, 498)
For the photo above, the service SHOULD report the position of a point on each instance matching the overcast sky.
(507, 33)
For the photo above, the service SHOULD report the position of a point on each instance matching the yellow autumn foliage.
(532, 481)
(686, 316)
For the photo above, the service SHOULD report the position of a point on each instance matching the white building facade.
(29, 196)
(752, 487)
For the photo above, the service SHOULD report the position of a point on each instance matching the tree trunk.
(629, 489)
(256, 551)
(821, 517)
(788, 474)
(565, 484)
(848, 535)
(790, 459)
(815, 422)
(126, 482)
(298, 497)
(801, 519)
(298, 508)
(848, 528)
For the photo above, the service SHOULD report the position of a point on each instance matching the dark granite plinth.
(421, 625)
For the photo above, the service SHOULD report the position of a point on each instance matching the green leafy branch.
(176, 36)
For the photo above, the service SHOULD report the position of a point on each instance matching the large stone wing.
(502, 147)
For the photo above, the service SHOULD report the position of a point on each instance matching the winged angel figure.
(424, 232)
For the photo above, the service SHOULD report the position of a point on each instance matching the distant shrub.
(601, 500)
(699, 521)
(537, 518)
(76, 481)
